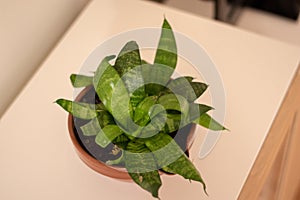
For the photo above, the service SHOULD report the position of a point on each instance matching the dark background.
(286, 8)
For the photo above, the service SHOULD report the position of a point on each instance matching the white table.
(37, 157)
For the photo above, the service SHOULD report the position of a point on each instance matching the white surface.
(271, 25)
(37, 158)
(28, 31)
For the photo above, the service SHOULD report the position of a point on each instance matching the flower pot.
(86, 147)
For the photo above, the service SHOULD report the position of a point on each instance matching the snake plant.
(140, 105)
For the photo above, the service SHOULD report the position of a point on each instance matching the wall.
(28, 31)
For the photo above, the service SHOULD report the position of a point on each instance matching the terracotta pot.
(100, 167)
(90, 161)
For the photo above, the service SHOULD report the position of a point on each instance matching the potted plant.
(132, 115)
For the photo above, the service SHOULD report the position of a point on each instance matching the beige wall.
(28, 31)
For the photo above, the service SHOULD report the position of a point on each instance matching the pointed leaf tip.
(207, 121)
(166, 24)
(78, 109)
(78, 80)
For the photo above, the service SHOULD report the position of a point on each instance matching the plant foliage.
(140, 106)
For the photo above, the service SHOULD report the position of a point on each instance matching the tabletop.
(37, 157)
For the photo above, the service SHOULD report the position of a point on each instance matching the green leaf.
(208, 122)
(121, 141)
(147, 111)
(190, 112)
(142, 168)
(158, 121)
(204, 108)
(105, 80)
(127, 60)
(107, 135)
(196, 110)
(174, 102)
(155, 78)
(184, 167)
(93, 127)
(166, 53)
(78, 109)
(173, 123)
(171, 158)
(142, 111)
(164, 149)
(81, 80)
(149, 181)
(175, 120)
(186, 88)
(113, 93)
(166, 56)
